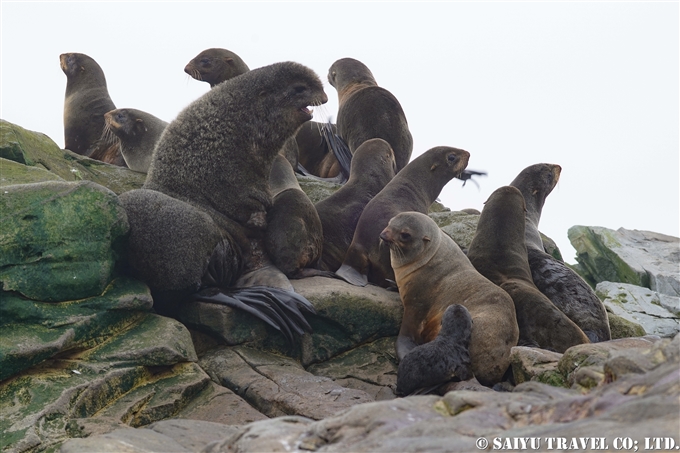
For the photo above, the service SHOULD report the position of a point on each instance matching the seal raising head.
(215, 66)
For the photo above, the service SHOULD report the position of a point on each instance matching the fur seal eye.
(300, 88)
(451, 158)
(404, 236)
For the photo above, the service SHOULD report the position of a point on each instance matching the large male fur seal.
(294, 238)
(373, 166)
(308, 148)
(564, 287)
(136, 133)
(85, 103)
(414, 188)
(445, 358)
(433, 273)
(368, 111)
(210, 174)
(498, 251)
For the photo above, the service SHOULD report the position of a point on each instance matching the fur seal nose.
(385, 235)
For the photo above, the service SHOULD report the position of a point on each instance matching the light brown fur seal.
(564, 287)
(414, 188)
(368, 111)
(498, 251)
(373, 166)
(85, 103)
(432, 273)
(209, 184)
(136, 133)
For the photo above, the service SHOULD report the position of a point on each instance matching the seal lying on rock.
(499, 252)
(136, 133)
(414, 188)
(201, 217)
(433, 273)
(564, 287)
(86, 101)
(443, 359)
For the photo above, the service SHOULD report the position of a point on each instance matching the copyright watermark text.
(577, 443)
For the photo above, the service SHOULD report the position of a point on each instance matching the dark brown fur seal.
(211, 171)
(373, 166)
(445, 358)
(215, 66)
(414, 188)
(368, 111)
(432, 273)
(294, 238)
(564, 287)
(136, 132)
(498, 251)
(87, 100)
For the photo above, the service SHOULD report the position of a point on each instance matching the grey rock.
(191, 434)
(220, 405)
(459, 225)
(125, 441)
(641, 258)
(655, 312)
(277, 385)
(535, 364)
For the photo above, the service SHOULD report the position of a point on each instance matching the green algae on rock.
(58, 240)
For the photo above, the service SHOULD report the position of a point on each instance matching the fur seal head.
(215, 66)
(348, 75)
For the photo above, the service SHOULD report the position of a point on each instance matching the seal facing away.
(564, 287)
(85, 103)
(211, 170)
(368, 111)
(445, 358)
(294, 238)
(414, 188)
(498, 251)
(373, 166)
(136, 133)
(432, 273)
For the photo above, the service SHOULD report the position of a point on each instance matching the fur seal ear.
(433, 167)
(426, 238)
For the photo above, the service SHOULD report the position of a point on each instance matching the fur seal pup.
(85, 103)
(445, 358)
(294, 237)
(215, 66)
(373, 166)
(368, 111)
(564, 287)
(414, 188)
(433, 273)
(136, 133)
(212, 166)
(499, 252)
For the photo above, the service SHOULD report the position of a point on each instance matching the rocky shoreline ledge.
(86, 364)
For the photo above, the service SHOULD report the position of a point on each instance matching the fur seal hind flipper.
(351, 275)
(339, 148)
(291, 303)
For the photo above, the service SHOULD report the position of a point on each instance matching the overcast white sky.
(592, 87)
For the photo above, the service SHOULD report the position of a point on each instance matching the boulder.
(37, 150)
(657, 313)
(640, 258)
(59, 240)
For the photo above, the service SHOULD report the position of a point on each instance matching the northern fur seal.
(499, 252)
(373, 166)
(564, 287)
(215, 66)
(212, 167)
(294, 238)
(85, 103)
(414, 188)
(433, 273)
(308, 148)
(445, 358)
(136, 132)
(368, 111)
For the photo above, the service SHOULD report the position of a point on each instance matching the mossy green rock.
(14, 173)
(59, 240)
(33, 332)
(38, 150)
(623, 328)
